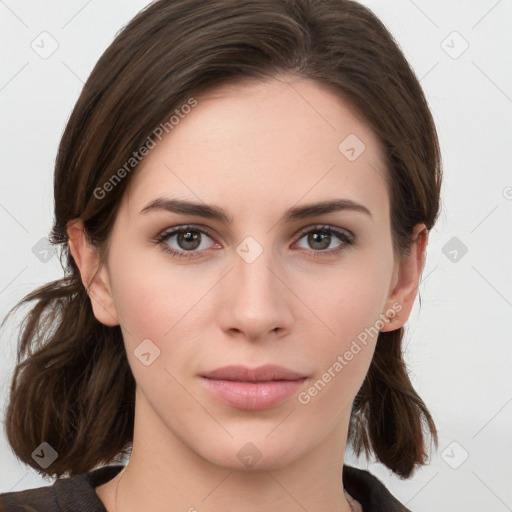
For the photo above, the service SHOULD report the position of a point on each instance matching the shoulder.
(75, 494)
(370, 491)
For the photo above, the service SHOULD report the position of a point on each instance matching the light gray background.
(458, 342)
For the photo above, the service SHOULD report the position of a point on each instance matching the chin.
(252, 453)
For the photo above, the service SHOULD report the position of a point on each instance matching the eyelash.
(346, 237)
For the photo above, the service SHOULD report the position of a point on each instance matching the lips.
(260, 374)
(253, 389)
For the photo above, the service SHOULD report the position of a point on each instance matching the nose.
(255, 301)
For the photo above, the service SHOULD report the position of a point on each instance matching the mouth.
(253, 389)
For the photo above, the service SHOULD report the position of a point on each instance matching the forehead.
(262, 144)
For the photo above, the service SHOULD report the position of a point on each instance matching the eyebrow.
(216, 213)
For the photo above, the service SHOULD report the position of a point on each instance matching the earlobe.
(94, 276)
(406, 281)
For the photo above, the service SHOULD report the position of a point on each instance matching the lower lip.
(253, 396)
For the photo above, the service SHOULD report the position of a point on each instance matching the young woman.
(243, 196)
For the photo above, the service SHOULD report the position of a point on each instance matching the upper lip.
(263, 373)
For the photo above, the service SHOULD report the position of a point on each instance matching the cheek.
(348, 301)
(341, 363)
(152, 297)
(170, 305)
(349, 311)
(155, 302)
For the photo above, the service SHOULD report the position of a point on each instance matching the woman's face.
(272, 280)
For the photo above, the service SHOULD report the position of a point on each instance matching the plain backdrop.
(458, 343)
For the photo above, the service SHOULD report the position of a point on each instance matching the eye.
(320, 238)
(188, 239)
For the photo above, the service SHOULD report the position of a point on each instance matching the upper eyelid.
(326, 227)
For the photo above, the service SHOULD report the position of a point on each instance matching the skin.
(255, 150)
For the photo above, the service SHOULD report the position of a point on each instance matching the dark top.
(77, 494)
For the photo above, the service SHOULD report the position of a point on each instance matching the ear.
(94, 277)
(405, 281)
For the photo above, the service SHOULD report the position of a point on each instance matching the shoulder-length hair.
(72, 386)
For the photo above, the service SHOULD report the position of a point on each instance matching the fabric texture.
(77, 493)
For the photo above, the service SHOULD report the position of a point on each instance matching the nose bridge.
(253, 272)
(256, 302)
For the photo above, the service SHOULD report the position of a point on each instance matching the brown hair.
(72, 385)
